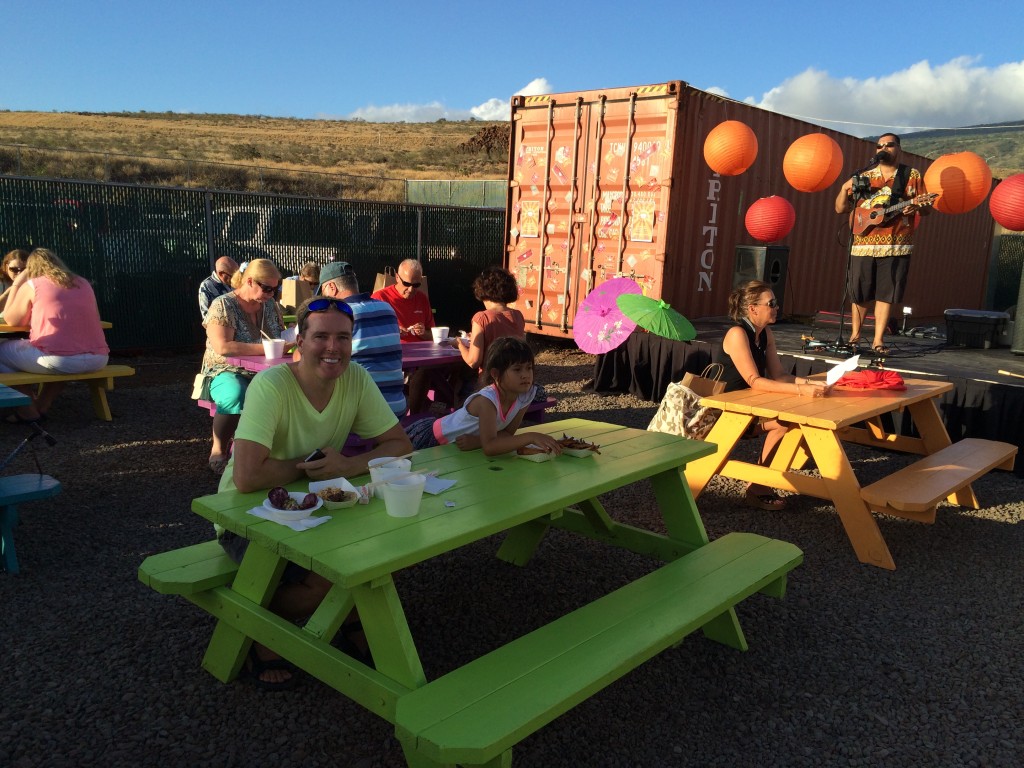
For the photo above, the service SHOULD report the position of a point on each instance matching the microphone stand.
(37, 431)
(860, 191)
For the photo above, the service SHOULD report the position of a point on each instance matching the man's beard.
(887, 157)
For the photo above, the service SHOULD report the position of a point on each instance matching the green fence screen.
(146, 249)
(479, 193)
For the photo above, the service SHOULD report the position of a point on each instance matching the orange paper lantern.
(730, 148)
(813, 162)
(962, 180)
(1007, 203)
(770, 219)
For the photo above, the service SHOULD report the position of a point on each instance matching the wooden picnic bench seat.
(189, 570)
(99, 382)
(916, 490)
(480, 711)
(15, 490)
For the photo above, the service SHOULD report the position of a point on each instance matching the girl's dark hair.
(495, 284)
(503, 353)
(743, 296)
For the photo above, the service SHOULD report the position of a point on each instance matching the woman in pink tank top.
(65, 335)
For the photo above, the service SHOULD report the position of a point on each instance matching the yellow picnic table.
(476, 713)
(5, 328)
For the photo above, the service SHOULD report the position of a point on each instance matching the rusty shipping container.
(614, 183)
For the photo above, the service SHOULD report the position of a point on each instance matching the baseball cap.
(332, 271)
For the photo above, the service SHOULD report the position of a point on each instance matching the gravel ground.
(856, 667)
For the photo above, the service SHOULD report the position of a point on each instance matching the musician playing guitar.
(883, 218)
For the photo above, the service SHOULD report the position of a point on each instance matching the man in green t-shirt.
(290, 411)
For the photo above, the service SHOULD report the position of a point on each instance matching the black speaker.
(767, 263)
(1017, 343)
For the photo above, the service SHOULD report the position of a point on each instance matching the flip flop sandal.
(881, 350)
(257, 666)
(770, 502)
(218, 464)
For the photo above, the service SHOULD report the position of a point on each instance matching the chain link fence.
(146, 249)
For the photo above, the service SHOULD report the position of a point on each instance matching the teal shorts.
(227, 390)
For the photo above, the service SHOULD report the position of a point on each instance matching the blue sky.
(857, 67)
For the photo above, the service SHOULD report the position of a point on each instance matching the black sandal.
(881, 350)
(255, 666)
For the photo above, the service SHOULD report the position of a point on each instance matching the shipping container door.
(589, 183)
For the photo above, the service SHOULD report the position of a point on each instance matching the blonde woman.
(235, 326)
(65, 335)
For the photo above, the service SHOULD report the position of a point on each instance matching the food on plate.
(280, 499)
(530, 450)
(576, 444)
(336, 494)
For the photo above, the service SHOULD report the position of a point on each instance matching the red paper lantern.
(1007, 203)
(770, 219)
(813, 162)
(963, 180)
(730, 148)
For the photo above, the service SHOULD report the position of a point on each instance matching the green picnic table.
(475, 714)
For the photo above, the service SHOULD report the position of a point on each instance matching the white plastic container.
(402, 495)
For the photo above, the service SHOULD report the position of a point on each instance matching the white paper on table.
(436, 485)
(837, 371)
(296, 525)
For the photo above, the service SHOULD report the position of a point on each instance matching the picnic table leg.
(258, 576)
(8, 522)
(727, 431)
(522, 541)
(844, 491)
(98, 388)
(387, 632)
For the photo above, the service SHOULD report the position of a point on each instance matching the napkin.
(837, 371)
(436, 485)
(296, 525)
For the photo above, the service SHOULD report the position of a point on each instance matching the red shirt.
(415, 309)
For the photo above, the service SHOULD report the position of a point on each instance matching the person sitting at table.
(754, 362)
(235, 326)
(375, 338)
(290, 411)
(12, 265)
(415, 319)
(310, 275)
(495, 288)
(216, 284)
(489, 418)
(65, 334)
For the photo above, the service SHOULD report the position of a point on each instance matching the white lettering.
(714, 214)
(707, 258)
(710, 232)
(704, 279)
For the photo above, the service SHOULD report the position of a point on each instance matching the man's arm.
(844, 200)
(254, 470)
(393, 442)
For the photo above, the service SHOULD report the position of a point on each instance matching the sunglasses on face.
(773, 304)
(886, 145)
(409, 285)
(269, 289)
(15, 270)
(325, 303)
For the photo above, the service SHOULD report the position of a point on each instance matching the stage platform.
(984, 403)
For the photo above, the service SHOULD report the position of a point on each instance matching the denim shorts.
(235, 546)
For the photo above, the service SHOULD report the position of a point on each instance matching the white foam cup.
(440, 333)
(273, 348)
(403, 494)
(386, 467)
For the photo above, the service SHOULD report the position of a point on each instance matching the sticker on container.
(642, 226)
(534, 189)
(631, 261)
(560, 174)
(530, 220)
(561, 298)
(525, 255)
(587, 276)
(562, 155)
(514, 232)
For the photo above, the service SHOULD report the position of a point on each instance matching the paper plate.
(292, 514)
(578, 452)
(338, 482)
(536, 457)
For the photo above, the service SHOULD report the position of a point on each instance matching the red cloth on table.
(872, 379)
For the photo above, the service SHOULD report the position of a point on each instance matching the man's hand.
(416, 330)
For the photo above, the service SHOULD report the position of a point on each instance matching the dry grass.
(388, 150)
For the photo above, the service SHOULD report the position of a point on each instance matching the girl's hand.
(547, 442)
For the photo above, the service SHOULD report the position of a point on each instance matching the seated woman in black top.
(754, 363)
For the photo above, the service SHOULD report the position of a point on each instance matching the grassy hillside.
(318, 156)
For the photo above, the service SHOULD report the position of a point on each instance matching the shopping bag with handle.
(680, 412)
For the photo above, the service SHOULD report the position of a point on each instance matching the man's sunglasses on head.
(325, 303)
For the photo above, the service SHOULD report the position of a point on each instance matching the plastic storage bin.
(975, 328)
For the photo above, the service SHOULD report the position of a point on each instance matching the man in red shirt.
(411, 305)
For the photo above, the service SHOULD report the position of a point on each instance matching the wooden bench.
(15, 490)
(916, 490)
(537, 410)
(480, 711)
(189, 570)
(99, 383)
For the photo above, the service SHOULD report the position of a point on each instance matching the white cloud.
(492, 109)
(957, 93)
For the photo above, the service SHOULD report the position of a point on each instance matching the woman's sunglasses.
(773, 304)
(15, 270)
(265, 288)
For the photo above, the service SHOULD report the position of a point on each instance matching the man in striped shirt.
(376, 342)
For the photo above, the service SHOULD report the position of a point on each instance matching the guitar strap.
(899, 183)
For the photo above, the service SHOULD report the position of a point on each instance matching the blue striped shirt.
(376, 347)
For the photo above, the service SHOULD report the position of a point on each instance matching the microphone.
(877, 159)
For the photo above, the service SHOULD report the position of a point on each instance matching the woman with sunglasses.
(235, 326)
(12, 266)
(65, 335)
(754, 362)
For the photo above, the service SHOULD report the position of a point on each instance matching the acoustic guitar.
(863, 220)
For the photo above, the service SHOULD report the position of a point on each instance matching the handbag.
(680, 412)
(200, 388)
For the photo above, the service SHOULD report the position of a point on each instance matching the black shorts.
(878, 279)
